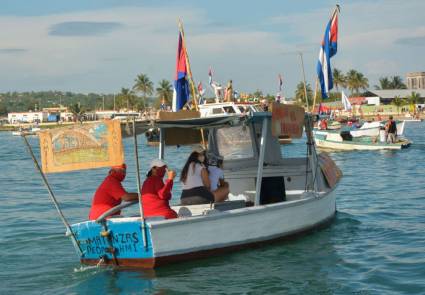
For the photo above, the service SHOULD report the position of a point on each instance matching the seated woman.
(196, 184)
(155, 194)
(219, 187)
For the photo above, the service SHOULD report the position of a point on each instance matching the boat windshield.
(235, 143)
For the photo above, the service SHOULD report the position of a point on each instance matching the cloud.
(12, 50)
(411, 41)
(83, 28)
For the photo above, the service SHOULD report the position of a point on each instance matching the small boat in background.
(344, 141)
(26, 131)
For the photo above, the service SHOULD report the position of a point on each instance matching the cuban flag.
(181, 85)
(328, 49)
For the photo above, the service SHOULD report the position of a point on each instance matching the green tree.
(384, 83)
(413, 99)
(126, 99)
(164, 91)
(77, 111)
(398, 102)
(356, 81)
(339, 79)
(397, 83)
(144, 85)
(258, 93)
(300, 94)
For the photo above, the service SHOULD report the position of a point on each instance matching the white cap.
(157, 163)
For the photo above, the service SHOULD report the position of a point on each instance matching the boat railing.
(114, 210)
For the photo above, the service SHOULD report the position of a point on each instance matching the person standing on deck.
(229, 92)
(391, 129)
(155, 194)
(111, 192)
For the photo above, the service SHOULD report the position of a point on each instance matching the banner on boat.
(287, 120)
(80, 147)
(330, 169)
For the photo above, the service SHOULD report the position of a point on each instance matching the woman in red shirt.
(155, 193)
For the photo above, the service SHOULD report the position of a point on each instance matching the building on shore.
(27, 117)
(387, 96)
(415, 80)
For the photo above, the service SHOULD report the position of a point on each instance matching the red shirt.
(107, 196)
(156, 196)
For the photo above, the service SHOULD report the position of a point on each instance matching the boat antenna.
(139, 192)
(52, 197)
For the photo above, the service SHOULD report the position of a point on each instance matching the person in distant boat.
(111, 192)
(155, 194)
(196, 183)
(219, 187)
(323, 124)
(391, 130)
(228, 97)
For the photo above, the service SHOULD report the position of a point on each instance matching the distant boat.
(344, 141)
(26, 131)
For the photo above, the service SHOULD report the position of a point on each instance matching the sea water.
(375, 245)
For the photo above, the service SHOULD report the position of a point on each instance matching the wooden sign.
(287, 120)
(79, 147)
(330, 169)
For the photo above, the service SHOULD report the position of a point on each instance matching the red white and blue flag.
(328, 49)
(181, 85)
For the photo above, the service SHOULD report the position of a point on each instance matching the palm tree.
(164, 91)
(258, 93)
(144, 85)
(126, 99)
(384, 83)
(77, 112)
(351, 80)
(362, 82)
(397, 83)
(398, 102)
(300, 94)
(356, 81)
(338, 78)
(413, 99)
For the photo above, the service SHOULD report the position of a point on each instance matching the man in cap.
(111, 192)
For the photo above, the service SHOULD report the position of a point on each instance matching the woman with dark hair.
(196, 184)
(155, 194)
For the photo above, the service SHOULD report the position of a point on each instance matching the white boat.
(26, 131)
(281, 198)
(336, 141)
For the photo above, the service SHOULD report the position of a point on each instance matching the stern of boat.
(118, 242)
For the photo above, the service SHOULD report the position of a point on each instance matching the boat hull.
(204, 236)
(350, 146)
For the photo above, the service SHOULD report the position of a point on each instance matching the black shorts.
(196, 195)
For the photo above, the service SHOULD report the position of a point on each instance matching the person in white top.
(196, 184)
(216, 175)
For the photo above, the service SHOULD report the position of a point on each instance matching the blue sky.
(100, 46)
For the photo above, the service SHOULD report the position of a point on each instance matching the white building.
(27, 117)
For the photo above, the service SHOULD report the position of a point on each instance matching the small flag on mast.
(327, 50)
(210, 76)
(280, 82)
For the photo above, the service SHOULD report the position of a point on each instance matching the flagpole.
(305, 83)
(315, 94)
(336, 11)
(189, 71)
